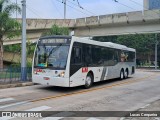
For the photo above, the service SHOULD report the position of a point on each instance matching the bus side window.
(87, 55)
(111, 61)
(122, 56)
(76, 55)
(96, 56)
(131, 57)
(116, 57)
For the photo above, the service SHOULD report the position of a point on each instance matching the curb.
(16, 85)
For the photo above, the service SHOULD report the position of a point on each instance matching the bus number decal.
(84, 70)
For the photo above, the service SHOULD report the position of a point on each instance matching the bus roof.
(93, 42)
(105, 44)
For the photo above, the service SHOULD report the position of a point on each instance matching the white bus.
(70, 61)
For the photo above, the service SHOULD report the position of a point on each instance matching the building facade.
(151, 4)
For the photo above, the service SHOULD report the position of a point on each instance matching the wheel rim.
(88, 81)
(126, 74)
(122, 75)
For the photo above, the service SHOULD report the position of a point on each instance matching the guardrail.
(12, 74)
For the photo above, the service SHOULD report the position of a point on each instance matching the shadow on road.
(74, 89)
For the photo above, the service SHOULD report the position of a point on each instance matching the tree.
(9, 27)
(143, 43)
(56, 30)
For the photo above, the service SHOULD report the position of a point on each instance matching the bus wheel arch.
(89, 80)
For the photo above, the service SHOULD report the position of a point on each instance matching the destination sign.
(54, 41)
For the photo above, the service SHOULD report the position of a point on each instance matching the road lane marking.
(145, 106)
(41, 108)
(6, 118)
(157, 118)
(99, 88)
(13, 104)
(93, 118)
(6, 99)
(54, 117)
(122, 118)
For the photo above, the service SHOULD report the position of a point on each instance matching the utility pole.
(156, 44)
(16, 10)
(23, 57)
(65, 3)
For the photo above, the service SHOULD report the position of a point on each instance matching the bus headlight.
(61, 74)
(35, 71)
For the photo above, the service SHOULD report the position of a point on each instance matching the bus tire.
(126, 73)
(122, 74)
(88, 81)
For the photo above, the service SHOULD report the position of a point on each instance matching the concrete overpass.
(119, 24)
(114, 24)
(35, 27)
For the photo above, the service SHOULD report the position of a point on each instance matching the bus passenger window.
(116, 59)
(122, 57)
(87, 55)
(111, 61)
(76, 55)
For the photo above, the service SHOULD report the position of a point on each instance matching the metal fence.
(12, 74)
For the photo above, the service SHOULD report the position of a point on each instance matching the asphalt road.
(132, 94)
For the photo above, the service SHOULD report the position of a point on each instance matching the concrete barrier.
(152, 15)
(92, 21)
(105, 19)
(134, 17)
(120, 18)
(80, 22)
(16, 85)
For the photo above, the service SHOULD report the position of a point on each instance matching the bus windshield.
(53, 56)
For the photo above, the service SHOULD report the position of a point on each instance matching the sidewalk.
(149, 69)
(153, 70)
(22, 84)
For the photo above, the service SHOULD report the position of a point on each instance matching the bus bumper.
(55, 81)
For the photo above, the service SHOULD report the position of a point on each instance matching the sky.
(54, 9)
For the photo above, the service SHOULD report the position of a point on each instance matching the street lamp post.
(23, 56)
(65, 3)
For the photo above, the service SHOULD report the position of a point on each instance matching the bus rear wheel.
(88, 81)
(126, 73)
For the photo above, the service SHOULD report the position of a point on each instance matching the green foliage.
(106, 38)
(13, 48)
(8, 26)
(30, 48)
(17, 49)
(143, 43)
(56, 30)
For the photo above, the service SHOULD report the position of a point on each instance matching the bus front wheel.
(88, 81)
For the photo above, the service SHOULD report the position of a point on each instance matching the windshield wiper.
(54, 50)
(40, 67)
